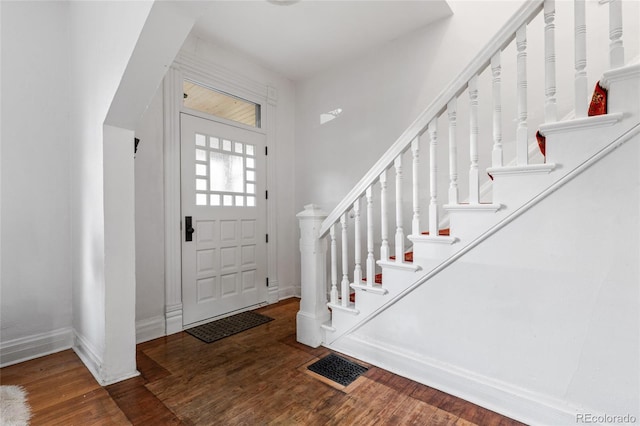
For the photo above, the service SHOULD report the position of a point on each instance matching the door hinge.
(266, 151)
(267, 281)
(267, 238)
(266, 195)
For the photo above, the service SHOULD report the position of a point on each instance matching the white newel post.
(313, 296)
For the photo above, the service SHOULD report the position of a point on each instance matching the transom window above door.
(225, 172)
(220, 104)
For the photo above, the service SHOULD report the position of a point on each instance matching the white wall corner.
(150, 328)
(89, 355)
(34, 346)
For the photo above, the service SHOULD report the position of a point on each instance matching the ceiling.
(299, 38)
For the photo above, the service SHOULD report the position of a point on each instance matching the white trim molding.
(172, 243)
(34, 346)
(272, 186)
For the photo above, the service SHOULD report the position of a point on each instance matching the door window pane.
(201, 170)
(226, 172)
(201, 199)
(201, 184)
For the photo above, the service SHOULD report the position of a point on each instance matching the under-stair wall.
(539, 321)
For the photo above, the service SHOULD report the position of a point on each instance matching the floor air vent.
(337, 369)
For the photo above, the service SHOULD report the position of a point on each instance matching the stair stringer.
(537, 318)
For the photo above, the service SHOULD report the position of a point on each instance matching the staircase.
(359, 306)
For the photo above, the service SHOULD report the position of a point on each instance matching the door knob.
(188, 229)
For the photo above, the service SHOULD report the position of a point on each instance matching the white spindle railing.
(453, 152)
(522, 143)
(616, 49)
(550, 106)
(384, 218)
(488, 58)
(433, 177)
(357, 270)
(415, 152)
(581, 90)
(334, 266)
(496, 73)
(399, 240)
(344, 285)
(474, 178)
(371, 261)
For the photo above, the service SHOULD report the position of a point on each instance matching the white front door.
(223, 218)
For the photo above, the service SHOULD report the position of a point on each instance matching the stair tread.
(408, 256)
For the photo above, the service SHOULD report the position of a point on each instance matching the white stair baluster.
(357, 270)
(522, 145)
(371, 261)
(344, 285)
(616, 49)
(581, 90)
(399, 231)
(496, 72)
(453, 151)
(415, 151)
(474, 185)
(384, 224)
(334, 266)
(433, 179)
(550, 106)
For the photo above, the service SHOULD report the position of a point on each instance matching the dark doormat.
(225, 327)
(338, 369)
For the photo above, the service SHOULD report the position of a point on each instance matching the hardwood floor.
(255, 377)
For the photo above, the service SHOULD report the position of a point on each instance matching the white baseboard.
(30, 347)
(517, 403)
(286, 293)
(150, 328)
(89, 355)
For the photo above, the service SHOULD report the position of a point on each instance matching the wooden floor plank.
(255, 377)
(93, 408)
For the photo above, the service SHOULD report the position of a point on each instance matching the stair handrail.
(525, 14)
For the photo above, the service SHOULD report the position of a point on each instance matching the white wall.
(103, 36)
(380, 92)
(149, 230)
(122, 52)
(36, 220)
(540, 318)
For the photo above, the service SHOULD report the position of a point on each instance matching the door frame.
(189, 66)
